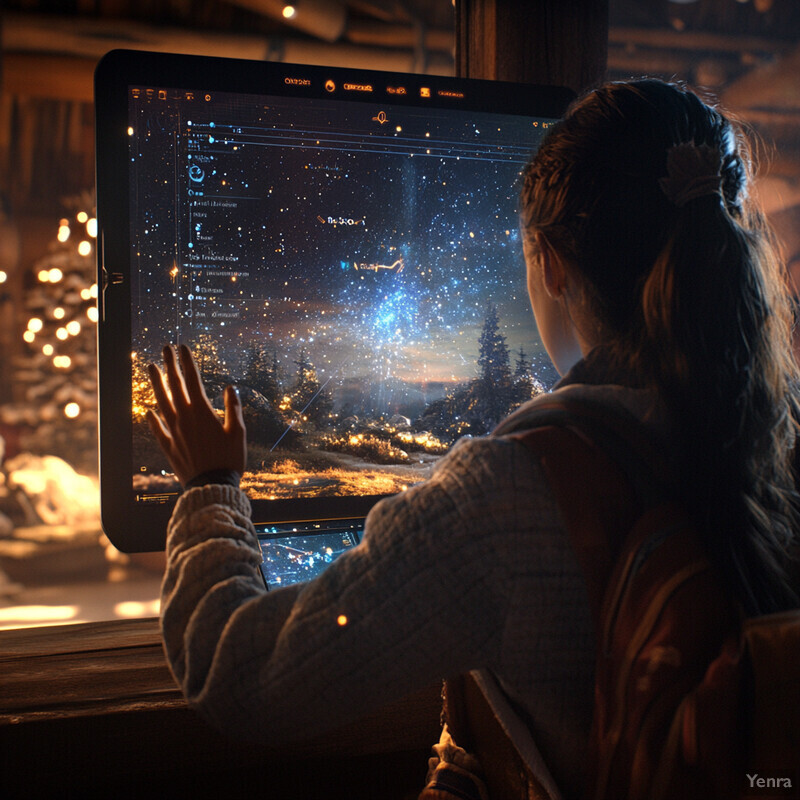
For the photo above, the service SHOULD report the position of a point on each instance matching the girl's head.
(637, 223)
(595, 192)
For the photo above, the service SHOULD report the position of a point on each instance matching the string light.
(67, 308)
(289, 11)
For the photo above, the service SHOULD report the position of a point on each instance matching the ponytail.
(716, 343)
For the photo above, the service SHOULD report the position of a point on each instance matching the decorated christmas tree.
(56, 376)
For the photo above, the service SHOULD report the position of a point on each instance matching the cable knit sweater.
(470, 569)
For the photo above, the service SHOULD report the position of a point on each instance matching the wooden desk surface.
(96, 703)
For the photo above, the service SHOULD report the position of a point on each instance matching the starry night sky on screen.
(371, 236)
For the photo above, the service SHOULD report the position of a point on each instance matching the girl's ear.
(554, 273)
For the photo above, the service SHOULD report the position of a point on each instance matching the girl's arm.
(423, 596)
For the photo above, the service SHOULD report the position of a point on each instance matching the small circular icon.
(330, 86)
(196, 173)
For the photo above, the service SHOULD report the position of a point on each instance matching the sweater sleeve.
(423, 596)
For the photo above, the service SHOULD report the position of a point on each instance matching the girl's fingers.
(234, 418)
(174, 379)
(158, 429)
(191, 375)
(160, 391)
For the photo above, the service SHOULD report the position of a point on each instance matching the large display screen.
(350, 260)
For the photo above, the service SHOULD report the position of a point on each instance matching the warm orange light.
(130, 609)
(341, 620)
(36, 616)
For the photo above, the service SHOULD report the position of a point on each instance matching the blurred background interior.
(55, 565)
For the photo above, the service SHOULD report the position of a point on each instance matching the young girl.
(656, 291)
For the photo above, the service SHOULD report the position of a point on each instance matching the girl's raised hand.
(189, 431)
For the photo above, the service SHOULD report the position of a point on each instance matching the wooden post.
(533, 41)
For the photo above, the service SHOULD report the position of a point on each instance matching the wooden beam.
(89, 37)
(772, 85)
(546, 42)
(383, 35)
(703, 41)
(48, 76)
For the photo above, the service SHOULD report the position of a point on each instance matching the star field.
(373, 245)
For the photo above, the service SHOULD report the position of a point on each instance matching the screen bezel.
(136, 526)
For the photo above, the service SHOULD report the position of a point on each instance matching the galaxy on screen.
(341, 245)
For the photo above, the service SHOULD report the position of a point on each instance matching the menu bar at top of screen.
(395, 90)
(424, 90)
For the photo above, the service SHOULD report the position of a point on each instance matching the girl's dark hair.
(691, 299)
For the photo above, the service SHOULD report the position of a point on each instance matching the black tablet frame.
(134, 526)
